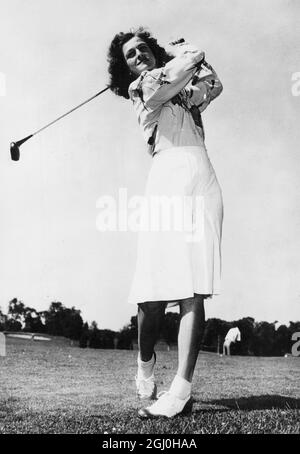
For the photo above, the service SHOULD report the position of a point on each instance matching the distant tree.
(21, 317)
(170, 328)
(84, 337)
(215, 331)
(264, 339)
(294, 327)
(73, 324)
(125, 338)
(107, 337)
(16, 313)
(246, 326)
(2, 321)
(32, 321)
(133, 326)
(94, 325)
(12, 325)
(128, 334)
(101, 338)
(282, 344)
(62, 321)
(54, 319)
(94, 336)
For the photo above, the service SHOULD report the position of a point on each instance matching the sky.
(52, 57)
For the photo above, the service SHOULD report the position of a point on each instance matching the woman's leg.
(177, 399)
(150, 319)
(190, 334)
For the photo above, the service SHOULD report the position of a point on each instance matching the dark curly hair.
(120, 77)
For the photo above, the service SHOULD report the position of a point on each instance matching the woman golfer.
(177, 264)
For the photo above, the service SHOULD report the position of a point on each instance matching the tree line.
(258, 338)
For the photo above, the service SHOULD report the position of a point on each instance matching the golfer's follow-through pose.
(169, 89)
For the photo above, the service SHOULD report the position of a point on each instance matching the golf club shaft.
(70, 111)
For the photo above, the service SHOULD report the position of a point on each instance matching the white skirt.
(179, 244)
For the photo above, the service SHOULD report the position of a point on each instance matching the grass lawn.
(51, 387)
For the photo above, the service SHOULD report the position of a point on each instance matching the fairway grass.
(55, 388)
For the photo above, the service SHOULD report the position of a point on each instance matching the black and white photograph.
(150, 219)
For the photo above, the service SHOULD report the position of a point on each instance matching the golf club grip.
(70, 111)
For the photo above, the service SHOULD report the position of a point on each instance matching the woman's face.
(138, 56)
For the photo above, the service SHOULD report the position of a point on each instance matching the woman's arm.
(161, 84)
(205, 87)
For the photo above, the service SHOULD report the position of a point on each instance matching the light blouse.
(169, 100)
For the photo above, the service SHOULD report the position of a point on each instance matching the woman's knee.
(194, 304)
(154, 308)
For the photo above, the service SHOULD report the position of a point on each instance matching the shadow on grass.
(264, 402)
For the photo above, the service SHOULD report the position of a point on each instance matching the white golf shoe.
(167, 405)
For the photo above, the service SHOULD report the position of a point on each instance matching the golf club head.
(15, 148)
(14, 151)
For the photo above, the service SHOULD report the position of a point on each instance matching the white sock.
(145, 368)
(180, 387)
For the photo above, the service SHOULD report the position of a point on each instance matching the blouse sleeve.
(161, 84)
(205, 87)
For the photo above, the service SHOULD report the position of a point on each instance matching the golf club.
(15, 146)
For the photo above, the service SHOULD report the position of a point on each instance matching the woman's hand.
(180, 47)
